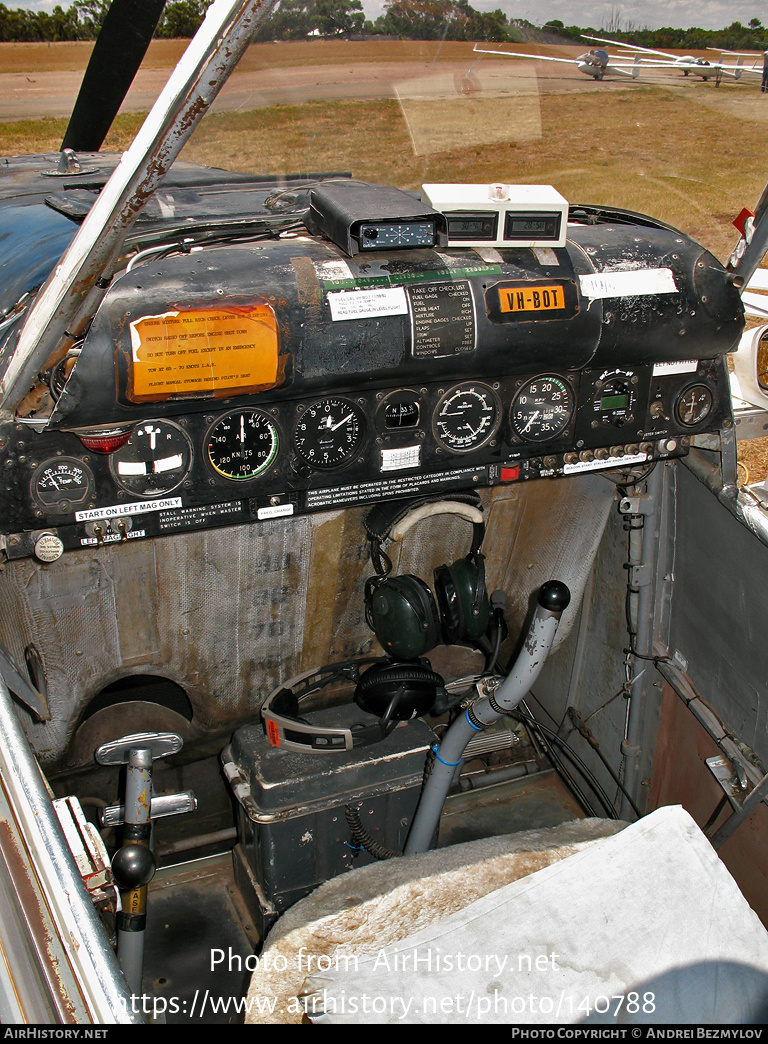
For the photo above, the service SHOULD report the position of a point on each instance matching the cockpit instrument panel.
(268, 377)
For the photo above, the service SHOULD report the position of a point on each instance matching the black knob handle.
(554, 596)
(133, 866)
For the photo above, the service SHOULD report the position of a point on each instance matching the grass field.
(684, 151)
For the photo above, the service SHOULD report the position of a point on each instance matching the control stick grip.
(554, 596)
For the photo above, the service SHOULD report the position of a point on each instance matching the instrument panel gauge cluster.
(357, 445)
(242, 444)
(330, 432)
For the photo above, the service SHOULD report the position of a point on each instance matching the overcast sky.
(634, 14)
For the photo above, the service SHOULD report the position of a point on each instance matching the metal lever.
(133, 865)
(161, 806)
(553, 599)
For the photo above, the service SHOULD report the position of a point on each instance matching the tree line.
(736, 37)
(402, 19)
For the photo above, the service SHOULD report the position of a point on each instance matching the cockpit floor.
(201, 944)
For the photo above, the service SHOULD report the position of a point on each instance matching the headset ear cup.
(404, 617)
(463, 600)
(415, 686)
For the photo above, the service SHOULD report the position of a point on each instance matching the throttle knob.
(554, 596)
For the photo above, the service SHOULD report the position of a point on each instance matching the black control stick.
(553, 599)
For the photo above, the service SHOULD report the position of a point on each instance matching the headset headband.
(285, 729)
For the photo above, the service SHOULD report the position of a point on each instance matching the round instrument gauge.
(400, 411)
(466, 417)
(154, 460)
(542, 408)
(694, 405)
(61, 484)
(329, 433)
(242, 444)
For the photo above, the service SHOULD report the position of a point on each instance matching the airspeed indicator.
(242, 445)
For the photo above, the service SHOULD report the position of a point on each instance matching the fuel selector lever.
(552, 601)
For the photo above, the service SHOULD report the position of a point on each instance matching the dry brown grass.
(687, 153)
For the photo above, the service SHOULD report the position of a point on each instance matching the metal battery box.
(292, 830)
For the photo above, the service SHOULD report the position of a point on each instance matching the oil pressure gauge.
(466, 417)
(329, 433)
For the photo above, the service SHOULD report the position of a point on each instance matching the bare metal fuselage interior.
(186, 490)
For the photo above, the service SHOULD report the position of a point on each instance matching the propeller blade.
(115, 60)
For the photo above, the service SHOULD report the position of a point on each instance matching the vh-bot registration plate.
(532, 298)
(521, 300)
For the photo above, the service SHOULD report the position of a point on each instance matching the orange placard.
(538, 298)
(219, 350)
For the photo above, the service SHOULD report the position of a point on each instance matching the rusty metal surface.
(530, 803)
(229, 614)
(85, 962)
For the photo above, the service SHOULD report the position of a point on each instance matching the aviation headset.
(407, 621)
(389, 691)
(401, 610)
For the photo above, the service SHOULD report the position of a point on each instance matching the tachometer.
(329, 433)
(242, 444)
(466, 417)
(542, 408)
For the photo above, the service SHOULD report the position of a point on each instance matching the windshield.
(630, 131)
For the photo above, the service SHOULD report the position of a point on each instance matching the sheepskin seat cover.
(360, 912)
